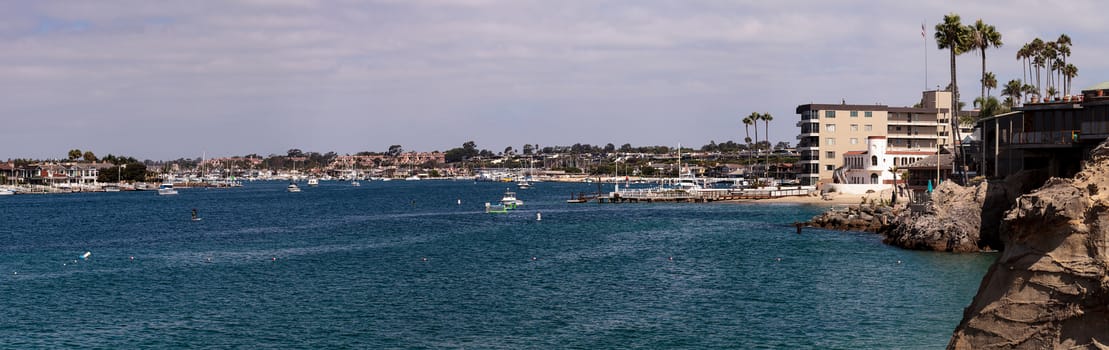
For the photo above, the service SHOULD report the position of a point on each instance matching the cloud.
(264, 76)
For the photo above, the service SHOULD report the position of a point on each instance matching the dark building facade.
(1053, 136)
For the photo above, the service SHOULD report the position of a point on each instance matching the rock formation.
(960, 219)
(869, 217)
(1050, 287)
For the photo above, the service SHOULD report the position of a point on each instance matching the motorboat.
(292, 188)
(166, 189)
(312, 181)
(6, 192)
(412, 178)
(523, 185)
(510, 201)
(355, 183)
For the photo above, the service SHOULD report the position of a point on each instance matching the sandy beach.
(831, 199)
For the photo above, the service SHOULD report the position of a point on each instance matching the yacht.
(292, 187)
(6, 192)
(166, 189)
(312, 181)
(523, 184)
(412, 178)
(111, 188)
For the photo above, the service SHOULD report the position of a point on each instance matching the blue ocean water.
(401, 264)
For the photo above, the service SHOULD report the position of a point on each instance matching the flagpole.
(925, 37)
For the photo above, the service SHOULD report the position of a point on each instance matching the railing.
(1060, 137)
(1095, 128)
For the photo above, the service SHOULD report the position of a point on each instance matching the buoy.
(86, 255)
(275, 258)
(534, 258)
(899, 261)
(132, 258)
(538, 216)
(670, 258)
(459, 202)
(777, 259)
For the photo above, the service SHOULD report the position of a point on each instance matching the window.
(829, 114)
(868, 127)
(831, 141)
(874, 179)
(830, 127)
(854, 127)
(854, 141)
(830, 154)
(829, 167)
(873, 160)
(868, 114)
(854, 114)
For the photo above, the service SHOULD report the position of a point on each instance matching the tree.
(395, 151)
(89, 156)
(952, 35)
(989, 81)
(766, 118)
(626, 148)
(527, 149)
(295, 152)
(748, 122)
(610, 148)
(982, 37)
(987, 107)
(1064, 43)
(74, 154)
(1069, 71)
(1014, 89)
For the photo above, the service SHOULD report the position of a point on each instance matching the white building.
(876, 164)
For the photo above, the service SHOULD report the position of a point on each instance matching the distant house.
(876, 164)
(1054, 136)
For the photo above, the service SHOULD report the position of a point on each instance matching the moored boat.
(292, 188)
(166, 189)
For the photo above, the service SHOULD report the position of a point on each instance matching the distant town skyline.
(167, 80)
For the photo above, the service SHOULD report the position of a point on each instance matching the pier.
(700, 195)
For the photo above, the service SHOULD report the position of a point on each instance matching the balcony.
(913, 122)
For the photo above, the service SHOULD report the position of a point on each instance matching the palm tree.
(953, 36)
(1070, 71)
(982, 37)
(987, 107)
(1064, 43)
(989, 81)
(1036, 54)
(766, 118)
(1022, 55)
(749, 121)
(1015, 90)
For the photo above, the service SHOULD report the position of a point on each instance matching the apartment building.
(830, 131)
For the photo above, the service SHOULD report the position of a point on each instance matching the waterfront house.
(877, 164)
(934, 168)
(1052, 136)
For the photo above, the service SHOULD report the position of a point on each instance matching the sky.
(173, 79)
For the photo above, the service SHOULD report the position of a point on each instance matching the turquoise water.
(401, 265)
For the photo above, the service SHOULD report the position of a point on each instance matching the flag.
(922, 32)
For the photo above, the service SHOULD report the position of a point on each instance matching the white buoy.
(538, 216)
(459, 202)
(86, 255)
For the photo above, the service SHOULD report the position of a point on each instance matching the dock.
(697, 196)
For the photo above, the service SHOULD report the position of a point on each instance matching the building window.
(854, 127)
(829, 167)
(873, 179)
(829, 114)
(868, 127)
(868, 114)
(873, 160)
(854, 141)
(831, 141)
(830, 127)
(830, 154)
(854, 114)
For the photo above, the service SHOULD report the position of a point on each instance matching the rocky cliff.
(1050, 287)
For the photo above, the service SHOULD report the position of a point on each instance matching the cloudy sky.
(163, 80)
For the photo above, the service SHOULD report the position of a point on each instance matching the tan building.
(829, 131)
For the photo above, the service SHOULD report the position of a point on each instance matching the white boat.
(292, 188)
(510, 201)
(355, 183)
(6, 192)
(523, 185)
(312, 181)
(111, 188)
(412, 178)
(166, 189)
